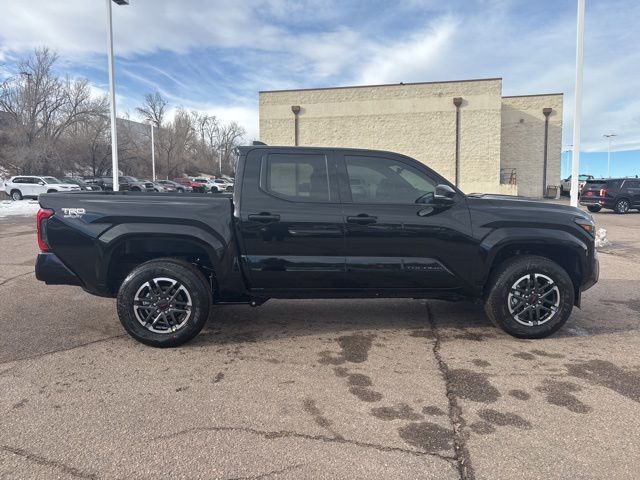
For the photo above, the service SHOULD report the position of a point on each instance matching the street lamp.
(577, 105)
(609, 136)
(112, 95)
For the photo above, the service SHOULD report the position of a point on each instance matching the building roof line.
(381, 85)
(533, 95)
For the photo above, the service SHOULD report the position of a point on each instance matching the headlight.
(587, 225)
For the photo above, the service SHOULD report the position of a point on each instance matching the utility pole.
(609, 136)
(577, 105)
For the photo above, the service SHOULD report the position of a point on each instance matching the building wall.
(523, 140)
(417, 120)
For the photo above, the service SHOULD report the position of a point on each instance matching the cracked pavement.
(318, 389)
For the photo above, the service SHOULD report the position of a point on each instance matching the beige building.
(465, 130)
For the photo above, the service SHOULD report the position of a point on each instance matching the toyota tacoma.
(317, 223)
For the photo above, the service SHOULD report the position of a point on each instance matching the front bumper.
(593, 273)
(51, 270)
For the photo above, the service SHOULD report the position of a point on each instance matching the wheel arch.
(125, 252)
(567, 255)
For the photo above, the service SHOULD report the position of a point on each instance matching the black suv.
(617, 194)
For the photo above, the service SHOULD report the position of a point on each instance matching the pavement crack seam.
(269, 435)
(268, 474)
(48, 463)
(462, 456)
(17, 276)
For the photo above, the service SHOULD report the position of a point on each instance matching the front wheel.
(164, 302)
(16, 195)
(594, 208)
(530, 297)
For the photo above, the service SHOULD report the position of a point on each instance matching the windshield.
(584, 177)
(51, 180)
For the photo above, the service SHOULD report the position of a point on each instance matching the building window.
(298, 177)
(383, 180)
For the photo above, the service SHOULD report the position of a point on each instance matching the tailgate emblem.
(73, 212)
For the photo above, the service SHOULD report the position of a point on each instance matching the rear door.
(291, 220)
(392, 241)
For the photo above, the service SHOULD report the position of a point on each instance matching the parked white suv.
(22, 186)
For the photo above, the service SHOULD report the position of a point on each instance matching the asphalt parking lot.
(319, 389)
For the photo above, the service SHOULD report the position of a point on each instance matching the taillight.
(41, 224)
(603, 192)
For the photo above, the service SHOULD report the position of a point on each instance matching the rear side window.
(297, 177)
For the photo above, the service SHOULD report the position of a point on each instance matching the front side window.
(297, 177)
(383, 180)
(632, 184)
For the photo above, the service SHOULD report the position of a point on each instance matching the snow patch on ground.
(601, 239)
(24, 208)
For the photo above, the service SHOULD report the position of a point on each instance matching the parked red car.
(196, 186)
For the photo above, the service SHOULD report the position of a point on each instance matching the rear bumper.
(51, 270)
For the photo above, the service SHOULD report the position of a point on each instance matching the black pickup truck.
(317, 223)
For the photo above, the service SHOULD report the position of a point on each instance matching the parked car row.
(30, 186)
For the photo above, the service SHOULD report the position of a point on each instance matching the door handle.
(362, 219)
(264, 217)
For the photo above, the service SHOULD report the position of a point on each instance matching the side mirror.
(445, 191)
(40, 183)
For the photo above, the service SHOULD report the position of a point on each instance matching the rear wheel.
(180, 190)
(16, 195)
(622, 206)
(164, 302)
(594, 208)
(530, 297)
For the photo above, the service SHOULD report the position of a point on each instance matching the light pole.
(577, 105)
(609, 136)
(153, 156)
(112, 95)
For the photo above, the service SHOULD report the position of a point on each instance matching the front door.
(291, 220)
(397, 237)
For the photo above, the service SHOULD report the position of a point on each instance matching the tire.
(507, 308)
(214, 190)
(180, 190)
(622, 206)
(562, 192)
(594, 208)
(52, 191)
(16, 195)
(185, 324)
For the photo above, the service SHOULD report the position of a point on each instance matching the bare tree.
(153, 109)
(42, 108)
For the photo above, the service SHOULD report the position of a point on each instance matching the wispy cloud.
(215, 55)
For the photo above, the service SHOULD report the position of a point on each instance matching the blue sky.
(215, 55)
